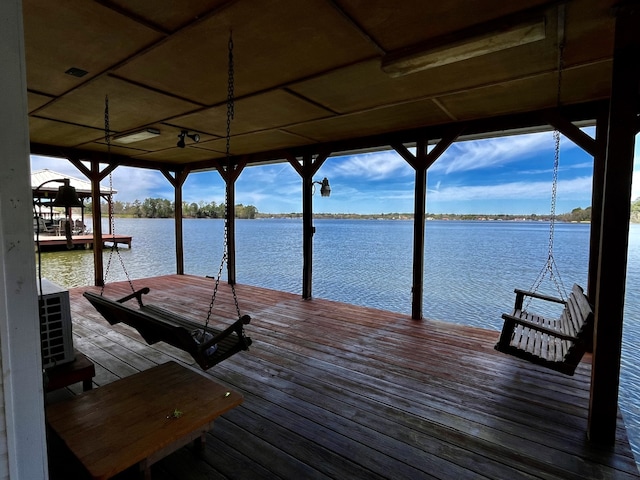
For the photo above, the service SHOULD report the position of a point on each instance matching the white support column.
(24, 451)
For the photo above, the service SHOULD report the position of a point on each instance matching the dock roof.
(309, 76)
(83, 187)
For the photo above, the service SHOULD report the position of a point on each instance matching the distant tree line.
(163, 208)
(576, 215)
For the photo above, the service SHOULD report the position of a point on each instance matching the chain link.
(550, 266)
(225, 253)
(230, 97)
(112, 224)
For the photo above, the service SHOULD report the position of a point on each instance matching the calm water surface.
(471, 268)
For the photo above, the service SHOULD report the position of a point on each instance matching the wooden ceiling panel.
(531, 94)
(409, 115)
(76, 33)
(36, 101)
(61, 134)
(164, 14)
(365, 85)
(179, 156)
(130, 106)
(275, 43)
(244, 144)
(589, 32)
(269, 110)
(417, 20)
(593, 81)
(101, 146)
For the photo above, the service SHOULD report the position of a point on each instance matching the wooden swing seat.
(556, 343)
(156, 324)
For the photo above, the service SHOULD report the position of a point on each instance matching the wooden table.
(139, 419)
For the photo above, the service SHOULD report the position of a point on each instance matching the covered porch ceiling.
(308, 75)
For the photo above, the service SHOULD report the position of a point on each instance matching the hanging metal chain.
(550, 266)
(114, 244)
(225, 254)
(230, 97)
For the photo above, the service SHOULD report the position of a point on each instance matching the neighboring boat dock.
(50, 242)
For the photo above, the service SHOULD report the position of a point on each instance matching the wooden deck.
(338, 391)
(52, 242)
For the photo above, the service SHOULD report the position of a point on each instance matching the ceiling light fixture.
(462, 46)
(137, 136)
(76, 72)
(184, 133)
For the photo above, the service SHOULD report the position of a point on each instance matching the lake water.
(471, 268)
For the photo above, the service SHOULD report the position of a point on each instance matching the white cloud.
(577, 187)
(490, 153)
(372, 166)
(496, 152)
(140, 183)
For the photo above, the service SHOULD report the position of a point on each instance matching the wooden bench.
(139, 419)
(556, 343)
(156, 324)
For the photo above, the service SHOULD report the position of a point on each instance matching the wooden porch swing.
(555, 343)
(208, 346)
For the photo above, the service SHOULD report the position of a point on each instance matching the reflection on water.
(68, 268)
(471, 268)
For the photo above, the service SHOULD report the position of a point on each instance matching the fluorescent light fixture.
(421, 58)
(137, 136)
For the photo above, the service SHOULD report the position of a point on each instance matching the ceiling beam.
(570, 131)
(357, 27)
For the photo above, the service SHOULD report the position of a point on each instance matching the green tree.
(635, 210)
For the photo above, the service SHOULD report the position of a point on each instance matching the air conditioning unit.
(55, 325)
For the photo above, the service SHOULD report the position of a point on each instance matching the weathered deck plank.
(339, 391)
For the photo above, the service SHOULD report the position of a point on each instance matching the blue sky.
(511, 175)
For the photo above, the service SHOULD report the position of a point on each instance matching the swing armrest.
(137, 294)
(236, 326)
(520, 294)
(541, 296)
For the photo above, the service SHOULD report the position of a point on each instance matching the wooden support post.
(419, 213)
(616, 209)
(421, 163)
(307, 227)
(96, 216)
(96, 176)
(177, 181)
(231, 231)
(307, 170)
(602, 130)
(230, 173)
